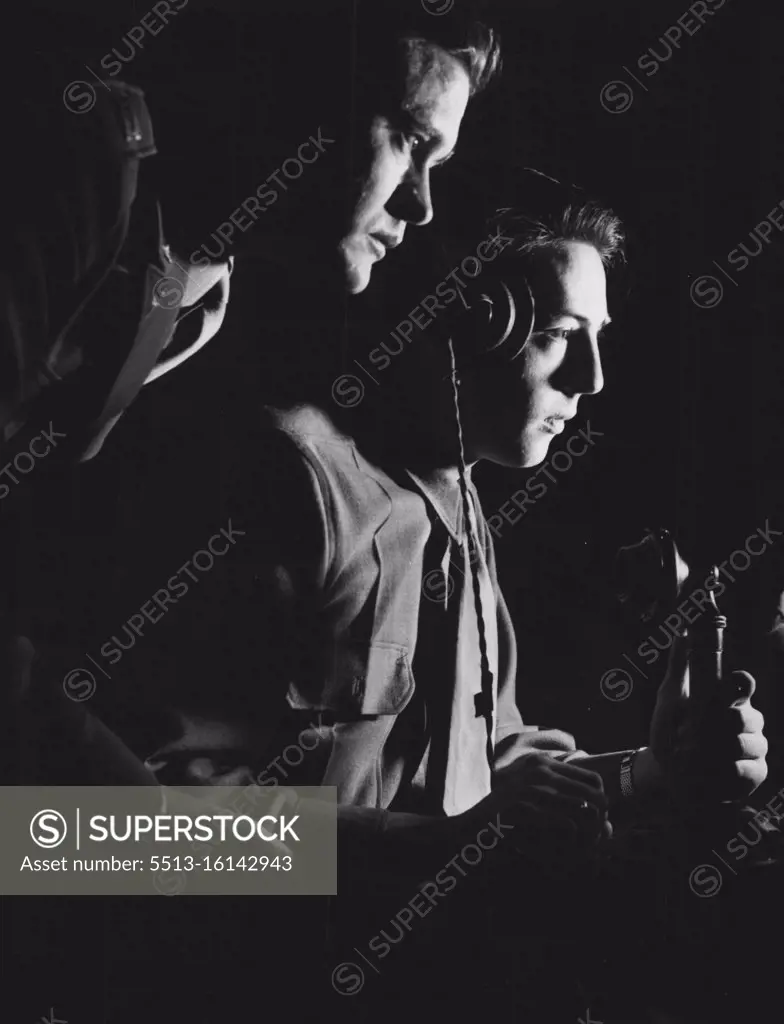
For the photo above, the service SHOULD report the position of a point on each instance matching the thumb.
(737, 689)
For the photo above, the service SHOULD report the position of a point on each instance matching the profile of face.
(403, 147)
(512, 411)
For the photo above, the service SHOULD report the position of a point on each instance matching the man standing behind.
(341, 144)
(368, 101)
(309, 135)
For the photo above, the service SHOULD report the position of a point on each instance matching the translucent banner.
(149, 840)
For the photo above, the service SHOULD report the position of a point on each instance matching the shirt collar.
(434, 499)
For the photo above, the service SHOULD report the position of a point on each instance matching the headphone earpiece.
(494, 320)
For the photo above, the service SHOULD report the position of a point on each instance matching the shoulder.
(310, 487)
(307, 427)
(301, 444)
(344, 473)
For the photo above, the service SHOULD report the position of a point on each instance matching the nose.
(582, 370)
(594, 369)
(414, 202)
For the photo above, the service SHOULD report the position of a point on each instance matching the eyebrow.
(576, 316)
(416, 116)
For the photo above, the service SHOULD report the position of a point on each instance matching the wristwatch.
(627, 764)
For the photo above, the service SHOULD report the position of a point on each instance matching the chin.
(358, 266)
(525, 455)
(357, 282)
(536, 454)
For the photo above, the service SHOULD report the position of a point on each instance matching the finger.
(552, 739)
(565, 816)
(578, 784)
(745, 746)
(569, 802)
(739, 780)
(586, 816)
(737, 688)
(540, 810)
(725, 738)
(737, 719)
(752, 746)
(591, 813)
(579, 773)
(721, 725)
(727, 747)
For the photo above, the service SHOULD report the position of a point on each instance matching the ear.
(493, 316)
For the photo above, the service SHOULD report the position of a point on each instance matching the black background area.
(690, 419)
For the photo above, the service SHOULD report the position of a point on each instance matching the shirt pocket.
(362, 680)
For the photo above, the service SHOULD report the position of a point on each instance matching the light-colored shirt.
(362, 603)
(351, 678)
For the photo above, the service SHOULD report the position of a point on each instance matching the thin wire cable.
(484, 700)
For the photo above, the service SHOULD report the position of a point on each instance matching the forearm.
(647, 779)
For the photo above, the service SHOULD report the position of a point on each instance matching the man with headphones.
(389, 664)
(391, 630)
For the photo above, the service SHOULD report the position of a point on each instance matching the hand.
(708, 750)
(529, 739)
(555, 808)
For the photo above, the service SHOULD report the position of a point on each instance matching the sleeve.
(292, 555)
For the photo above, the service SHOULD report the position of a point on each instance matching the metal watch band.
(627, 785)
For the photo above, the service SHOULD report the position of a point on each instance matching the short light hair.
(551, 214)
(384, 30)
(480, 56)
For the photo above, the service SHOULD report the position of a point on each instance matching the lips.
(556, 424)
(386, 241)
(553, 424)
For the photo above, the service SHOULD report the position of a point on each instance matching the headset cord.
(483, 701)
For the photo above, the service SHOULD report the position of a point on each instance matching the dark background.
(690, 416)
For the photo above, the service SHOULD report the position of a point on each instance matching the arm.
(515, 740)
(287, 556)
(712, 750)
(647, 777)
(295, 566)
